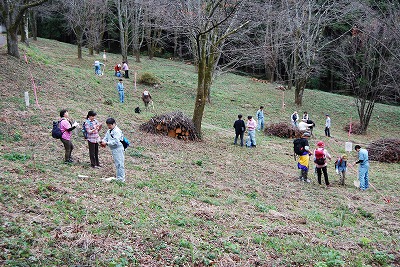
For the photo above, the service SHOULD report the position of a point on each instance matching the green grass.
(205, 203)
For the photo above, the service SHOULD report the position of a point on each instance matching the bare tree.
(124, 16)
(76, 13)
(96, 24)
(137, 27)
(305, 21)
(368, 63)
(13, 13)
(209, 24)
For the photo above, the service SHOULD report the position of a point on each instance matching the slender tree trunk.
(24, 29)
(34, 24)
(79, 37)
(201, 89)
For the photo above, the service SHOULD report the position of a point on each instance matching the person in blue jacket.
(363, 167)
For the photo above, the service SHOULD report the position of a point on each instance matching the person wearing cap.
(341, 168)
(304, 160)
(327, 126)
(120, 88)
(322, 167)
(364, 167)
(93, 127)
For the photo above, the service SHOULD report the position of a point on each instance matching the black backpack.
(298, 146)
(56, 132)
(84, 132)
(137, 110)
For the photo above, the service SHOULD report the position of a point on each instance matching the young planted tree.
(13, 13)
(210, 24)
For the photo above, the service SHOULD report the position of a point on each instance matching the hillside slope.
(184, 203)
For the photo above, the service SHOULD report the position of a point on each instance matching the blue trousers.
(363, 177)
(251, 141)
(121, 96)
(260, 125)
(119, 161)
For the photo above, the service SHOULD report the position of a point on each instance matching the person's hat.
(120, 80)
(119, 65)
(306, 134)
(344, 156)
(320, 144)
(326, 114)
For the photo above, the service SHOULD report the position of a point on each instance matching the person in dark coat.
(240, 127)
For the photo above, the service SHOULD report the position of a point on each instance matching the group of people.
(117, 69)
(320, 154)
(320, 158)
(125, 68)
(252, 125)
(112, 139)
(305, 124)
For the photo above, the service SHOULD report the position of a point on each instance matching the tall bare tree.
(124, 16)
(13, 13)
(96, 24)
(137, 27)
(368, 60)
(76, 13)
(209, 24)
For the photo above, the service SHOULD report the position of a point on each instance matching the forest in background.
(348, 47)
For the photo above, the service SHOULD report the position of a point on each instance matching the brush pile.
(174, 124)
(355, 128)
(385, 150)
(283, 130)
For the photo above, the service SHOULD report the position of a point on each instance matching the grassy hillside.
(205, 203)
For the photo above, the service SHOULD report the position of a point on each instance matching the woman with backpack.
(320, 156)
(66, 127)
(92, 128)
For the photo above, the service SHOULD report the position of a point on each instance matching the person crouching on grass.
(112, 139)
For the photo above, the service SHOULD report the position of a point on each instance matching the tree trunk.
(299, 90)
(137, 55)
(24, 29)
(34, 24)
(201, 89)
(12, 42)
(365, 108)
(175, 45)
(79, 39)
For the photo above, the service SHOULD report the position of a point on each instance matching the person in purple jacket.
(66, 127)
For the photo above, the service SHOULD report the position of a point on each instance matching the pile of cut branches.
(355, 128)
(283, 130)
(385, 150)
(174, 124)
